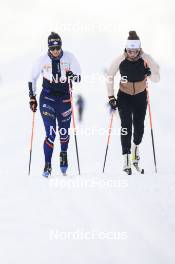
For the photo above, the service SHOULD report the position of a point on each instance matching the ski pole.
(151, 126)
(31, 141)
(74, 127)
(109, 135)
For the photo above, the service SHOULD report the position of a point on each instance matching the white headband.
(133, 44)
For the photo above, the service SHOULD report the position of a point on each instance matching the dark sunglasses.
(135, 51)
(55, 48)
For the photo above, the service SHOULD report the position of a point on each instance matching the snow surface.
(33, 209)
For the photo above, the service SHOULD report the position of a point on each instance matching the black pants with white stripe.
(132, 111)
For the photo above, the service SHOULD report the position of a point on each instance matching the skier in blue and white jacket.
(58, 68)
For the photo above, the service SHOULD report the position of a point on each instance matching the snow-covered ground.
(54, 221)
(95, 218)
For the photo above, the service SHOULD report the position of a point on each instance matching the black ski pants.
(132, 111)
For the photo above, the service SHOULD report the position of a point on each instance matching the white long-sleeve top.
(44, 66)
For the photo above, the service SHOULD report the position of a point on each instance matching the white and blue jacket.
(53, 71)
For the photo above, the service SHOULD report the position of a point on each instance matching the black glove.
(113, 102)
(148, 71)
(33, 103)
(74, 77)
(70, 75)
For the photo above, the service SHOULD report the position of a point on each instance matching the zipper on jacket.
(134, 88)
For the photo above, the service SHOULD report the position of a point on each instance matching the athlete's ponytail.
(133, 35)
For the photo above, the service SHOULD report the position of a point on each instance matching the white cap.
(133, 44)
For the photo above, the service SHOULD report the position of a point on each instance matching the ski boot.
(136, 158)
(127, 164)
(63, 162)
(47, 169)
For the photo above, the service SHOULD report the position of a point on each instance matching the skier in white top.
(59, 69)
